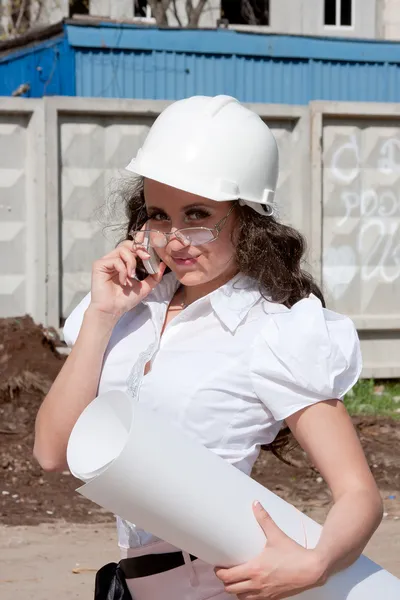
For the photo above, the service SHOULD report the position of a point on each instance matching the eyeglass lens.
(195, 236)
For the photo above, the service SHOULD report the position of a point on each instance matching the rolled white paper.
(150, 473)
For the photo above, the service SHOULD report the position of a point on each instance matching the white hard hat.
(212, 147)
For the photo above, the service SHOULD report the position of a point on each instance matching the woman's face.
(170, 209)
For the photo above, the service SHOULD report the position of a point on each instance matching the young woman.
(228, 338)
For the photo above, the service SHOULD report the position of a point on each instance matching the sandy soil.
(37, 562)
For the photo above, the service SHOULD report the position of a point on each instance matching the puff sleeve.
(302, 356)
(74, 322)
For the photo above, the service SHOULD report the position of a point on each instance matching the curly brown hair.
(266, 250)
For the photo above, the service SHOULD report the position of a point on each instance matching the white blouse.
(229, 368)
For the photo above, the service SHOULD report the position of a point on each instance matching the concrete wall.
(93, 151)
(339, 184)
(356, 198)
(22, 209)
(95, 145)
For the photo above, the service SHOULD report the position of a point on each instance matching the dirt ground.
(29, 362)
(38, 562)
(46, 527)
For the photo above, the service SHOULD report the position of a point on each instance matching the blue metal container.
(47, 67)
(125, 61)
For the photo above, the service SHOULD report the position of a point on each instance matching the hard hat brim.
(222, 192)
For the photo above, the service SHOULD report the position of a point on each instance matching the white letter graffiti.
(373, 211)
(387, 164)
(351, 201)
(346, 174)
(369, 203)
(381, 251)
(391, 196)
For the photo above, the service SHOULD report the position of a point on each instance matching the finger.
(114, 264)
(148, 284)
(161, 270)
(142, 253)
(132, 246)
(242, 587)
(267, 524)
(128, 247)
(235, 574)
(129, 258)
(125, 244)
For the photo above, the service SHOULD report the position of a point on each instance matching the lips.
(184, 261)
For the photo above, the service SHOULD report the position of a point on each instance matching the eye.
(197, 214)
(157, 216)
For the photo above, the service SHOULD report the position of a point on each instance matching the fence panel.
(360, 164)
(339, 183)
(22, 209)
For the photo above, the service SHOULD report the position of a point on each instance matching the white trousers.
(192, 581)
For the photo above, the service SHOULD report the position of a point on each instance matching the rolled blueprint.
(142, 468)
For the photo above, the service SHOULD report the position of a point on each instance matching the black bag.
(110, 584)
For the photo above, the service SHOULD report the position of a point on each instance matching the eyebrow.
(187, 207)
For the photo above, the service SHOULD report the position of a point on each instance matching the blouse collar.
(231, 302)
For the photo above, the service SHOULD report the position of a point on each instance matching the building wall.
(306, 17)
(3, 17)
(123, 9)
(51, 11)
(390, 19)
(120, 9)
(209, 16)
(373, 19)
(43, 12)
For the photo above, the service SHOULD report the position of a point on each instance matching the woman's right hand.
(114, 290)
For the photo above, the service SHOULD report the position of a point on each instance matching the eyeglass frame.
(218, 227)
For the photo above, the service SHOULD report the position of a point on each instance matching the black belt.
(151, 564)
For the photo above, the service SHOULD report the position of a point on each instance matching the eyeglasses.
(188, 236)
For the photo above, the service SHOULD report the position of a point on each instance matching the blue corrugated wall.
(123, 61)
(168, 75)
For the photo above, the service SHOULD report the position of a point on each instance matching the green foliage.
(369, 397)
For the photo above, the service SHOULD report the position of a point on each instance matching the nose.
(177, 240)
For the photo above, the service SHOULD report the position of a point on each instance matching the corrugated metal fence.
(339, 184)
